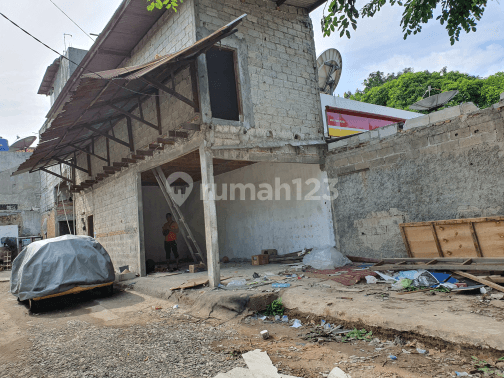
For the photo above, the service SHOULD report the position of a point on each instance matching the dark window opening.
(66, 228)
(223, 86)
(90, 227)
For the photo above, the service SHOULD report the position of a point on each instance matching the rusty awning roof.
(49, 76)
(102, 98)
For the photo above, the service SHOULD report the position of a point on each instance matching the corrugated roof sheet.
(93, 92)
(49, 76)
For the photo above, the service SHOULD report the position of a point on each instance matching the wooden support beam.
(140, 110)
(194, 83)
(111, 168)
(131, 115)
(145, 153)
(87, 152)
(130, 134)
(475, 240)
(166, 141)
(164, 88)
(155, 146)
(57, 175)
(210, 214)
(88, 156)
(106, 135)
(480, 280)
(70, 164)
(108, 150)
(158, 114)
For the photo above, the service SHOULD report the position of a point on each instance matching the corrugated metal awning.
(102, 98)
(49, 76)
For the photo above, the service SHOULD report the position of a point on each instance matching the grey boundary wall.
(445, 165)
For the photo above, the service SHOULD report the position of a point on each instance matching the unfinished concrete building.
(225, 92)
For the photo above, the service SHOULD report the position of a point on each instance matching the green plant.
(486, 367)
(160, 4)
(275, 308)
(357, 334)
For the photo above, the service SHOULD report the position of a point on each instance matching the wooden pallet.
(7, 261)
(463, 238)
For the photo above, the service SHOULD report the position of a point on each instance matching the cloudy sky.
(376, 45)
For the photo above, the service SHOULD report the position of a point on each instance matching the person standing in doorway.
(170, 231)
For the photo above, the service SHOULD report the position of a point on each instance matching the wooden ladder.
(179, 217)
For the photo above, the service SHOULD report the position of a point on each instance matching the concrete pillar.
(210, 211)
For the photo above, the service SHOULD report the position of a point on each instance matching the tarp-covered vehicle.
(59, 266)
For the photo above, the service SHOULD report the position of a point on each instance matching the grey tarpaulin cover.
(52, 266)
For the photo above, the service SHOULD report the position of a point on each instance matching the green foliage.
(275, 308)
(407, 87)
(486, 367)
(160, 4)
(358, 334)
(457, 15)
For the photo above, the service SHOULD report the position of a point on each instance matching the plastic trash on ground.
(461, 374)
(297, 324)
(285, 318)
(371, 279)
(56, 265)
(402, 284)
(338, 373)
(277, 285)
(325, 258)
(234, 283)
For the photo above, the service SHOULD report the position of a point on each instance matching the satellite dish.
(329, 65)
(434, 102)
(22, 143)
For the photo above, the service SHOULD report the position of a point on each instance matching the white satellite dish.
(434, 102)
(329, 65)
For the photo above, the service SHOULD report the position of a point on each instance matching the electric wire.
(61, 10)
(78, 65)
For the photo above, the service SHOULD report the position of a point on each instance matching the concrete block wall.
(448, 169)
(277, 50)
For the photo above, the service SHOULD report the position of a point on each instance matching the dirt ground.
(132, 334)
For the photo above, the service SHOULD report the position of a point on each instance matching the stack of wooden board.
(461, 238)
(289, 258)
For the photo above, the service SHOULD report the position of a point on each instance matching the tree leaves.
(406, 87)
(457, 15)
(160, 4)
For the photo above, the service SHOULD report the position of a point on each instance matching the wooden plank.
(440, 266)
(496, 279)
(128, 160)
(456, 240)
(475, 239)
(164, 88)
(432, 262)
(467, 262)
(436, 239)
(454, 221)
(421, 242)
(483, 281)
(448, 260)
(405, 240)
(138, 157)
(120, 164)
(155, 146)
(490, 236)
